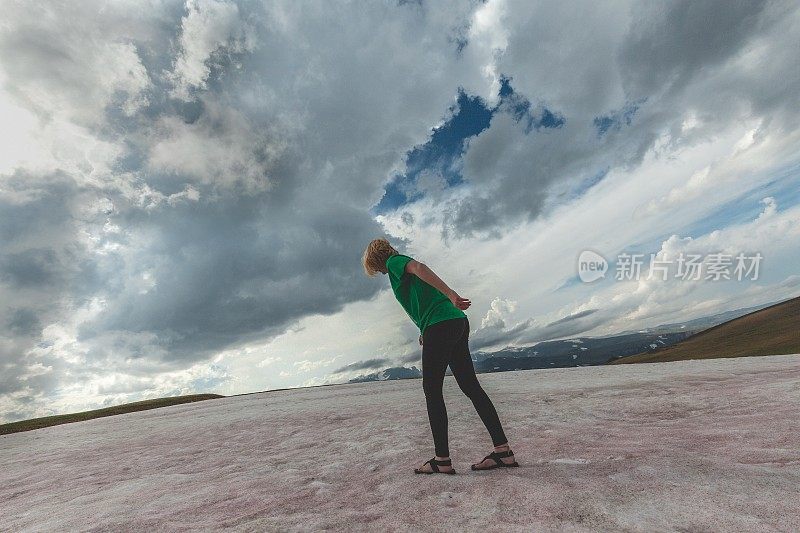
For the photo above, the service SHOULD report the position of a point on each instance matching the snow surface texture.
(690, 446)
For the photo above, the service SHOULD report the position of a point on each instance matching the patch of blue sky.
(784, 188)
(461, 43)
(583, 186)
(615, 119)
(469, 116)
(520, 108)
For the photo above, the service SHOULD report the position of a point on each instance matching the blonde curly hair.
(375, 256)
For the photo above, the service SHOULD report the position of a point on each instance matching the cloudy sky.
(186, 189)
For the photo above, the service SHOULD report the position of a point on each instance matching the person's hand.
(420, 340)
(458, 301)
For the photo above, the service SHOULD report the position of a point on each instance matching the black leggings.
(444, 343)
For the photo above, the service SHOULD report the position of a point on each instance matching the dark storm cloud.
(30, 268)
(364, 365)
(671, 42)
(570, 326)
(39, 224)
(572, 317)
(475, 214)
(530, 331)
(23, 321)
(217, 189)
(411, 357)
(726, 62)
(226, 273)
(35, 206)
(497, 334)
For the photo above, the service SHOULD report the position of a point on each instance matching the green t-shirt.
(424, 303)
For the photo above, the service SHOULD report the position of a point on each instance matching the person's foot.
(442, 468)
(489, 462)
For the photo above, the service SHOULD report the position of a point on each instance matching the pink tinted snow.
(690, 446)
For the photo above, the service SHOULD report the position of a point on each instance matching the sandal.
(495, 456)
(435, 467)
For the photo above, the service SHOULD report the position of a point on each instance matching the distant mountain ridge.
(705, 322)
(582, 351)
(578, 351)
(772, 330)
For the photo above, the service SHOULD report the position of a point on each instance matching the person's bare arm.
(427, 275)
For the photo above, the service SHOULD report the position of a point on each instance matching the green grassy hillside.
(774, 330)
(36, 423)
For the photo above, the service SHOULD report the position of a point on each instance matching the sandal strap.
(446, 462)
(495, 456)
(433, 464)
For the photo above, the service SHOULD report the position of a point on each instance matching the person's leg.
(464, 372)
(437, 343)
